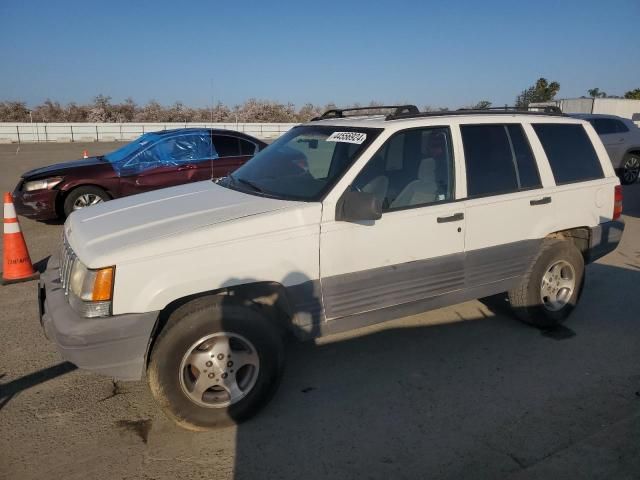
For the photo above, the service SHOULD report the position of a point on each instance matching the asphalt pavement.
(460, 392)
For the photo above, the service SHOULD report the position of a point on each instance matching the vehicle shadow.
(41, 265)
(631, 200)
(54, 221)
(11, 389)
(474, 393)
(461, 392)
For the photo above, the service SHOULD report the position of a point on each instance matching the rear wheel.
(83, 197)
(215, 363)
(550, 289)
(630, 169)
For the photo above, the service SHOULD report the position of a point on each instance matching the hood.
(63, 168)
(96, 233)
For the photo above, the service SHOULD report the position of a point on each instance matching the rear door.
(232, 152)
(505, 205)
(613, 134)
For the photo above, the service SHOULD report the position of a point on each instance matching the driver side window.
(413, 168)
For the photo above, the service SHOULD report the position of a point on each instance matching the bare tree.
(14, 111)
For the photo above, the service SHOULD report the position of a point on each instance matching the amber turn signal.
(103, 286)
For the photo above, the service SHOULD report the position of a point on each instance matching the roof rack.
(540, 109)
(398, 110)
(547, 110)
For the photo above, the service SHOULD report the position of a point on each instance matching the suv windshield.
(304, 163)
(130, 148)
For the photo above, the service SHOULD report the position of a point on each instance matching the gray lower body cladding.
(370, 296)
(363, 298)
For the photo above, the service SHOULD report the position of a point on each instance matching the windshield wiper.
(246, 182)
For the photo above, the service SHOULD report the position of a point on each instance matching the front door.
(415, 251)
(171, 161)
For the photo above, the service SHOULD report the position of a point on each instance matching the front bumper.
(604, 239)
(37, 205)
(115, 346)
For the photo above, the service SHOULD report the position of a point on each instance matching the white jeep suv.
(342, 222)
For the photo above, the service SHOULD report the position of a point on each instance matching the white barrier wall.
(109, 132)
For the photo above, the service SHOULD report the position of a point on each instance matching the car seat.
(422, 190)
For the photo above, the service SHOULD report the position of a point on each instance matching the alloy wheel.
(86, 200)
(558, 285)
(631, 169)
(219, 370)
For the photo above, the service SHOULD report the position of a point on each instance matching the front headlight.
(91, 291)
(44, 184)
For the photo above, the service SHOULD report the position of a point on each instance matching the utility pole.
(211, 99)
(33, 132)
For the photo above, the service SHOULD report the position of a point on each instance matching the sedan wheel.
(83, 197)
(86, 200)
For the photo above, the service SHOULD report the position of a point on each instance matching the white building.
(621, 107)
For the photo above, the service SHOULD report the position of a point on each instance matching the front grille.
(67, 259)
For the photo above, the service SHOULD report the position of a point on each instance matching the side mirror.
(358, 206)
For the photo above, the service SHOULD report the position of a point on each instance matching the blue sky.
(439, 53)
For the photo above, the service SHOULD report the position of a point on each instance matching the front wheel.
(549, 291)
(630, 169)
(215, 363)
(83, 197)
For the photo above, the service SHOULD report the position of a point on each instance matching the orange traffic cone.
(16, 263)
(85, 154)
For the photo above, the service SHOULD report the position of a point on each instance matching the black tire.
(630, 169)
(75, 194)
(186, 326)
(526, 298)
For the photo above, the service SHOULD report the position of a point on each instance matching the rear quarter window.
(571, 155)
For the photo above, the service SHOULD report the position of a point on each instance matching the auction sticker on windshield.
(348, 137)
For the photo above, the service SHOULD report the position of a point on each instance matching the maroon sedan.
(155, 160)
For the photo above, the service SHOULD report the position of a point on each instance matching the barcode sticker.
(347, 137)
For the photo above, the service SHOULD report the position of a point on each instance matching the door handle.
(186, 167)
(456, 217)
(540, 201)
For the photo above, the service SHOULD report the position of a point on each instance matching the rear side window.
(498, 160)
(246, 147)
(226, 146)
(570, 152)
(607, 126)
(526, 167)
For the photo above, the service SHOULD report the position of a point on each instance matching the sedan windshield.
(131, 148)
(304, 163)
